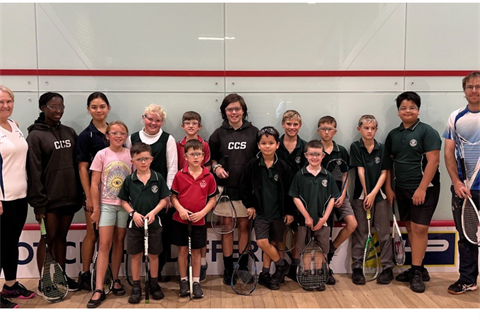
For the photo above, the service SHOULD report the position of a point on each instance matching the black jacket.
(251, 186)
(53, 179)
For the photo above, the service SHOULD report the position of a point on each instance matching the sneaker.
(156, 292)
(85, 280)
(72, 284)
(197, 291)
(17, 291)
(320, 288)
(264, 279)
(292, 273)
(7, 303)
(331, 280)
(277, 277)
(135, 295)
(357, 276)
(405, 276)
(386, 276)
(203, 272)
(227, 277)
(460, 287)
(416, 282)
(184, 288)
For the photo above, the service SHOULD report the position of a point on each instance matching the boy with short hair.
(292, 151)
(143, 195)
(327, 128)
(371, 162)
(192, 123)
(193, 196)
(264, 192)
(314, 191)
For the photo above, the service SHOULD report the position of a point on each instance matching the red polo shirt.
(193, 194)
(182, 163)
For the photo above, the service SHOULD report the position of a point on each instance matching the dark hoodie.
(53, 180)
(239, 145)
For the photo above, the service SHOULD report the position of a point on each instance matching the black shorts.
(179, 235)
(421, 214)
(270, 229)
(135, 244)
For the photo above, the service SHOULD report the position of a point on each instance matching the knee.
(262, 243)
(351, 224)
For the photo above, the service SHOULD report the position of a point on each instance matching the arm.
(341, 199)
(95, 195)
(85, 180)
(433, 158)
(451, 164)
(137, 217)
(181, 210)
(172, 161)
(153, 213)
(197, 216)
(36, 194)
(304, 212)
(323, 220)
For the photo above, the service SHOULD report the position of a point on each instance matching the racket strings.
(223, 219)
(370, 261)
(245, 276)
(470, 221)
(312, 270)
(399, 250)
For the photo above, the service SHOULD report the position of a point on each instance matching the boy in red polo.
(193, 195)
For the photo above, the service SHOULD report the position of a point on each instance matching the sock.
(136, 283)
(204, 262)
(265, 270)
(184, 278)
(153, 282)
(8, 287)
(419, 268)
(280, 263)
(228, 262)
(196, 279)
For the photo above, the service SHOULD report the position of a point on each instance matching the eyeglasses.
(60, 108)
(477, 87)
(194, 154)
(143, 159)
(313, 154)
(122, 134)
(267, 130)
(413, 108)
(235, 109)
(326, 129)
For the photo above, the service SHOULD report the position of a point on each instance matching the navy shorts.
(179, 235)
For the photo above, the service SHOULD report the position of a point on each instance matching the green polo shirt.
(144, 198)
(295, 160)
(407, 148)
(269, 193)
(313, 191)
(338, 152)
(373, 163)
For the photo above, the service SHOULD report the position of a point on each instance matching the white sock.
(196, 279)
(186, 279)
(204, 261)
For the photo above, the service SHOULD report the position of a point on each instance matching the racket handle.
(43, 231)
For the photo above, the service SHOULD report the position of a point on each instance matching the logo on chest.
(413, 143)
(377, 160)
(154, 189)
(237, 145)
(324, 183)
(203, 184)
(62, 144)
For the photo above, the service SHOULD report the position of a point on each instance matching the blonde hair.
(291, 115)
(118, 123)
(367, 118)
(156, 109)
(10, 93)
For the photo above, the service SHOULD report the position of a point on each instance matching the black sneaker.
(416, 283)
(320, 287)
(17, 291)
(72, 284)
(227, 277)
(7, 303)
(184, 288)
(135, 295)
(331, 280)
(264, 279)
(386, 276)
(292, 273)
(357, 276)
(277, 277)
(460, 287)
(203, 272)
(85, 280)
(197, 291)
(406, 275)
(156, 292)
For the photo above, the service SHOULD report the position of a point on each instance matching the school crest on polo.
(297, 159)
(413, 143)
(203, 184)
(377, 160)
(324, 183)
(154, 189)
(275, 177)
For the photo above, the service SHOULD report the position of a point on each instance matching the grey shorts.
(135, 241)
(322, 237)
(270, 229)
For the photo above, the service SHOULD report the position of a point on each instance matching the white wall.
(244, 37)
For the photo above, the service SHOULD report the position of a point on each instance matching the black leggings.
(11, 225)
(57, 226)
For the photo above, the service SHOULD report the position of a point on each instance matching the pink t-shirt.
(115, 167)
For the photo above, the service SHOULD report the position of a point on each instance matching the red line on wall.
(234, 73)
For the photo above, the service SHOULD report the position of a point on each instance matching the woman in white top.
(13, 196)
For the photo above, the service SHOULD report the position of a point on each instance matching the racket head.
(224, 215)
(54, 285)
(108, 281)
(289, 239)
(339, 169)
(245, 277)
(312, 269)
(470, 221)
(370, 260)
(398, 244)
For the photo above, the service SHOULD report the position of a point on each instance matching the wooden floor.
(342, 295)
